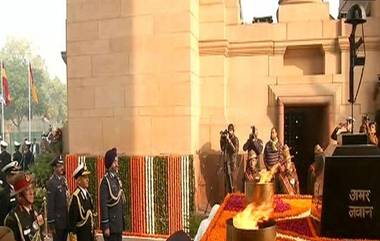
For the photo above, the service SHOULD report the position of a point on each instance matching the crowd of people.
(273, 156)
(276, 157)
(65, 214)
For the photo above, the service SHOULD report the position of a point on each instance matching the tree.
(51, 92)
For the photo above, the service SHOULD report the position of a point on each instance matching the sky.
(42, 22)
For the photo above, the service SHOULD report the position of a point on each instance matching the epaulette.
(76, 192)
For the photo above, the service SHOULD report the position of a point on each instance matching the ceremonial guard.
(7, 203)
(81, 220)
(287, 182)
(17, 155)
(57, 207)
(23, 219)
(112, 199)
(28, 156)
(5, 157)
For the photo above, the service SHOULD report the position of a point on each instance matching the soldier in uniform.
(23, 219)
(81, 221)
(7, 203)
(28, 156)
(112, 199)
(5, 157)
(57, 208)
(17, 155)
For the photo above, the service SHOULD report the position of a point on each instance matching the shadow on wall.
(212, 171)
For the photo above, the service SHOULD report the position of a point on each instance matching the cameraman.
(342, 128)
(229, 144)
(255, 144)
(365, 124)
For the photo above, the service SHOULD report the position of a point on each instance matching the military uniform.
(5, 158)
(28, 160)
(23, 220)
(23, 224)
(7, 203)
(81, 221)
(57, 209)
(17, 156)
(112, 205)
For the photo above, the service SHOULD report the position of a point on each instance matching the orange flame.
(249, 218)
(267, 176)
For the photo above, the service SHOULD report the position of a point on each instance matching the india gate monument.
(158, 77)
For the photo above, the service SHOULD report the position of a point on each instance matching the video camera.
(224, 133)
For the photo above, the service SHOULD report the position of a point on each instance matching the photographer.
(364, 127)
(343, 127)
(255, 144)
(229, 144)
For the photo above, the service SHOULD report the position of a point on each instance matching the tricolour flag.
(6, 93)
(33, 88)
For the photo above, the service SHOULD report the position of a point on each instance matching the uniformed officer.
(57, 208)
(5, 157)
(23, 219)
(112, 199)
(81, 221)
(28, 159)
(7, 203)
(17, 155)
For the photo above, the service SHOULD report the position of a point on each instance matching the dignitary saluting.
(81, 220)
(112, 199)
(57, 206)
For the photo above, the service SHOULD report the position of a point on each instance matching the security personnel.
(57, 208)
(112, 199)
(17, 155)
(24, 220)
(7, 203)
(5, 157)
(28, 156)
(81, 221)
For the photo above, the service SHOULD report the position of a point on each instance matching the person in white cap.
(81, 220)
(5, 157)
(17, 155)
(7, 203)
(28, 159)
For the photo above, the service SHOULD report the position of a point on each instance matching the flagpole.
(30, 106)
(2, 103)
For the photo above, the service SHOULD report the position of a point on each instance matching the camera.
(224, 133)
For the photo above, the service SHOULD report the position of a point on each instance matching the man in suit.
(81, 221)
(5, 157)
(112, 199)
(28, 156)
(17, 155)
(7, 203)
(57, 193)
(24, 220)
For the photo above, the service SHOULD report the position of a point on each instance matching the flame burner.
(266, 232)
(259, 193)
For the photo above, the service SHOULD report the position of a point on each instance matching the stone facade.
(152, 77)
